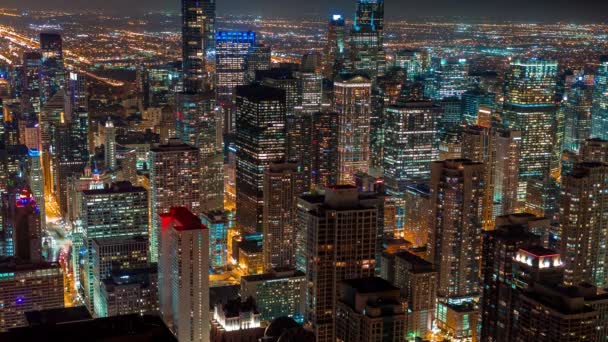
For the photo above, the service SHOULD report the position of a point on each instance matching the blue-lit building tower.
(231, 51)
(367, 38)
(218, 224)
(600, 101)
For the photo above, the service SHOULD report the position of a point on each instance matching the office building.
(22, 225)
(452, 77)
(30, 83)
(336, 45)
(475, 100)
(347, 226)
(369, 309)
(183, 279)
(367, 38)
(576, 116)
(283, 183)
(232, 49)
(174, 181)
(352, 102)
(529, 107)
(324, 149)
(198, 33)
(110, 145)
(279, 293)
(218, 224)
(583, 206)
(27, 286)
(257, 60)
(599, 112)
(261, 140)
(35, 179)
(52, 77)
(236, 320)
(457, 197)
(129, 292)
(594, 150)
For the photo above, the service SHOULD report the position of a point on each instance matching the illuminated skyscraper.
(411, 135)
(120, 210)
(472, 100)
(30, 83)
(36, 182)
(457, 197)
(367, 38)
(529, 107)
(110, 145)
(175, 180)
(584, 224)
(259, 58)
(52, 78)
(599, 115)
(341, 232)
(22, 222)
(198, 123)
(413, 62)
(232, 49)
(324, 149)
(283, 183)
(260, 141)
(198, 32)
(183, 278)
(352, 102)
(336, 45)
(76, 94)
(218, 224)
(28, 286)
(576, 110)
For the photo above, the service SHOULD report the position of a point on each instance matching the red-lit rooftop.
(181, 219)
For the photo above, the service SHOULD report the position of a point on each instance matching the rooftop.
(182, 219)
(370, 285)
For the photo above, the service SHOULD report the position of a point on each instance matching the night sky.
(532, 10)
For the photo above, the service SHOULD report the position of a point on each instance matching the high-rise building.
(218, 224)
(76, 94)
(35, 179)
(451, 76)
(28, 286)
(352, 102)
(110, 145)
(277, 294)
(199, 124)
(340, 238)
(599, 113)
(119, 210)
(594, 150)
(529, 107)
(413, 62)
(457, 197)
(367, 39)
(174, 182)
(22, 222)
(52, 78)
(283, 183)
(369, 309)
(30, 83)
(130, 292)
(198, 33)
(261, 140)
(259, 59)
(410, 145)
(183, 277)
(236, 320)
(472, 101)
(584, 224)
(336, 45)
(232, 49)
(324, 149)
(500, 248)
(576, 111)
(417, 280)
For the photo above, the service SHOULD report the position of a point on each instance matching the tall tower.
(232, 49)
(529, 107)
(260, 141)
(52, 77)
(183, 277)
(599, 116)
(340, 244)
(198, 34)
(336, 45)
(584, 224)
(174, 182)
(352, 102)
(110, 145)
(367, 38)
(30, 83)
(36, 182)
(283, 183)
(457, 196)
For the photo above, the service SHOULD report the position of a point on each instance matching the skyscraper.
(183, 277)
(36, 183)
(260, 141)
(352, 102)
(231, 51)
(110, 145)
(336, 45)
(22, 221)
(367, 38)
(52, 78)
(30, 83)
(174, 181)
(457, 196)
(283, 183)
(324, 149)
(599, 114)
(584, 224)
(576, 109)
(198, 32)
(529, 107)
(340, 244)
